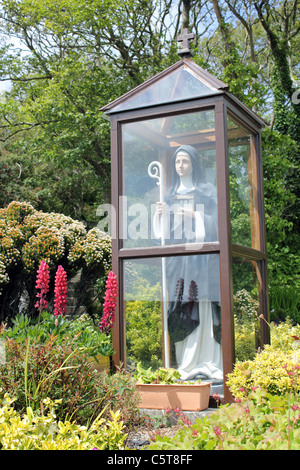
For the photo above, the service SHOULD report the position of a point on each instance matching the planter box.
(186, 397)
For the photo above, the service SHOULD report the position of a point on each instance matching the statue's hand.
(161, 207)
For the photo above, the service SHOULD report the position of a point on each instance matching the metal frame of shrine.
(126, 110)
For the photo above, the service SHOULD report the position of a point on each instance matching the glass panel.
(243, 186)
(181, 84)
(246, 308)
(173, 315)
(169, 181)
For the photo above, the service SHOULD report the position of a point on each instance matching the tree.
(71, 58)
(281, 23)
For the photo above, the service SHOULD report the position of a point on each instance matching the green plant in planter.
(161, 375)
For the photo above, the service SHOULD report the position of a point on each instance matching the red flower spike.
(42, 283)
(110, 302)
(60, 292)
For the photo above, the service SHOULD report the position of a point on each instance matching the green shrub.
(262, 422)
(284, 302)
(118, 390)
(28, 236)
(283, 336)
(42, 431)
(266, 414)
(246, 325)
(244, 337)
(144, 326)
(33, 372)
(270, 368)
(79, 332)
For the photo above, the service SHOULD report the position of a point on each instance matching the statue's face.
(183, 164)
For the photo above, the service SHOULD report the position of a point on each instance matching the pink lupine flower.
(42, 283)
(110, 302)
(60, 292)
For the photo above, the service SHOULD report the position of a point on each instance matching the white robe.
(199, 353)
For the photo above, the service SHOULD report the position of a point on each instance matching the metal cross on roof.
(185, 38)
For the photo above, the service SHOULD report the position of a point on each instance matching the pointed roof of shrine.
(183, 80)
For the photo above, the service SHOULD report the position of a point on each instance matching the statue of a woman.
(194, 319)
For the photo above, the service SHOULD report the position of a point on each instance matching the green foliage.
(281, 188)
(119, 393)
(62, 371)
(28, 236)
(144, 328)
(161, 375)
(283, 336)
(55, 131)
(270, 369)
(43, 431)
(80, 332)
(266, 414)
(262, 422)
(55, 144)
(284, 303)
(246, 324)
(244, 341)
(245, 307)
(52, 370)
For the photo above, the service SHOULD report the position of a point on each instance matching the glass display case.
(189, 241)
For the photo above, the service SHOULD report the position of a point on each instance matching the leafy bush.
(33, 372)
(246, 324)
(119, 391)
(51, 370)
(28, 236)
(245, 306)
(285, 302)
(262, 422)
(266, 414)
(284, 336)
(42, 431)
(143, 324)
(244, 336)
(80, 332)
(270, 369)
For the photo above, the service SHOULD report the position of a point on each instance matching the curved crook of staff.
(155, 170)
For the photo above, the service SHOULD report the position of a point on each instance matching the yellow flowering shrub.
(28, 236)
(68, 228)
(273, 369)
(44, 432)
(47, 244)
(3, 274)
(92, 249)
